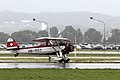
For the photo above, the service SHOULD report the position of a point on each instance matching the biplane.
(44, 46)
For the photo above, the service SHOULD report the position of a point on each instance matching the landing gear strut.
(49, 58)
(16, 54)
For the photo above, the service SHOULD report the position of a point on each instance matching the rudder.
(12, 44)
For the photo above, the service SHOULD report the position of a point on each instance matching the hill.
(16, 21)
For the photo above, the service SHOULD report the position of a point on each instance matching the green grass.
(94, 55)
(59, 74)
(95, 60)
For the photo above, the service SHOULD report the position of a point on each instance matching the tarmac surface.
(62, 65)
(115, 65)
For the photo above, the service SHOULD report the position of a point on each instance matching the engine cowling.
(68, 48)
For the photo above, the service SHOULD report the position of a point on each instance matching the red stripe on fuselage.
(40, 46)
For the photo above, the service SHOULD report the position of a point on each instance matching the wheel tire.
(67, 60)
(15, 55)
(60, 61)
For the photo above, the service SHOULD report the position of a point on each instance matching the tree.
(69, 33)
(42, 33)
(91, 35)
(24, 36)
(53, 32)
(79, 36)
(72, 34)
(3, 37)
(115, 37)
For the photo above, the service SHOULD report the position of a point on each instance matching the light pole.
(49, 57)
(104, 38)
(43, 22)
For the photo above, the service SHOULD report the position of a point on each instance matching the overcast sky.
(109, 7)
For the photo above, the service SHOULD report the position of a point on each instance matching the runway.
(16, 64)
(78, 52)
(62, 65)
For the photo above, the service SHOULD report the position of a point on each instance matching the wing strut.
(59, 54)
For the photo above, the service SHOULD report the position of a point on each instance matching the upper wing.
(50, 38)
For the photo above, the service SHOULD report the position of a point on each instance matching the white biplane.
(44, 46)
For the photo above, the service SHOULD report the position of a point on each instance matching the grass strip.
(59, 74)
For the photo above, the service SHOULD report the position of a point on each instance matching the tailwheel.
(16, 54)
(66, 60)
(60, 61)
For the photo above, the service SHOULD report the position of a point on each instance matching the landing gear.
(49, 58)
(61, 52)
(60, 61)
(16, 54)
(63, 57)
(65, 60)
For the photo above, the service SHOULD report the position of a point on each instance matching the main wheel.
(16, 54)
(67, 60)
(60, 61)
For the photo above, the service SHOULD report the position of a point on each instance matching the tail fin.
(11, 44)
